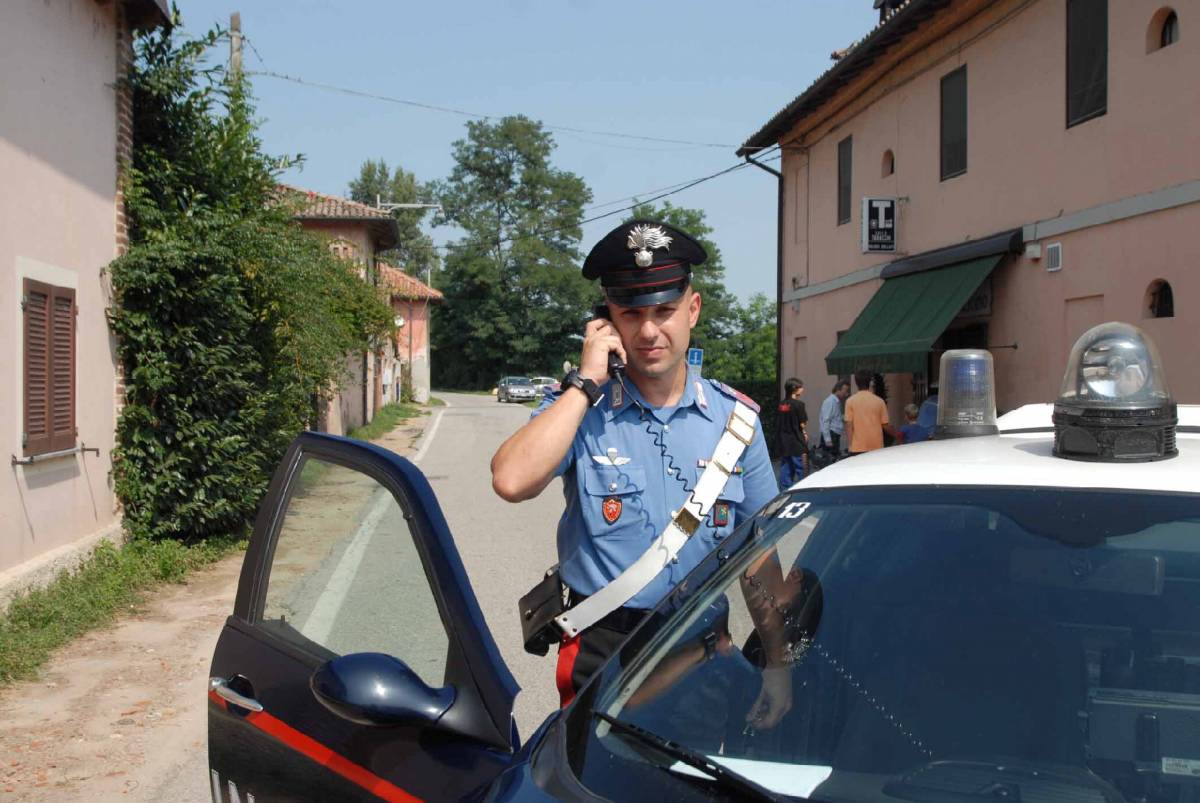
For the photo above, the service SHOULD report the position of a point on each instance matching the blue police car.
(1008, 615)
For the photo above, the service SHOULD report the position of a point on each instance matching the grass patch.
(112, 580)
(385, 420)
(434, 401)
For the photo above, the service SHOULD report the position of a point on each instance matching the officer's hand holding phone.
(600, 338)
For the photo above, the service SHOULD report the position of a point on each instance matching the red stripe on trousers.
(357, 775)
(568, 651)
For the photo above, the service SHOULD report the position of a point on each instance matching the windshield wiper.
(722, 775)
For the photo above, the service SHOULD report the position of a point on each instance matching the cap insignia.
(643, 239)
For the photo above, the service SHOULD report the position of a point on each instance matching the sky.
(698, 72)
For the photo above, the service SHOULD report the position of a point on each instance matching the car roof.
(1021, 455)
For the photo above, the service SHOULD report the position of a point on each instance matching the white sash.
(739, 431)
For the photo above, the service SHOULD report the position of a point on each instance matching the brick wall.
(124, 154)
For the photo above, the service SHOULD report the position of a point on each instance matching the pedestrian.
(912, 431)
(831, 423)
(631, 448)
(792, 434)
(866, 417)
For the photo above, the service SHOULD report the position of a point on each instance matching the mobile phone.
(616, 368)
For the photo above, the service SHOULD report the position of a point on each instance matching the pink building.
(1027, 168)
(65, 127)
(356, 232)
(407, 356)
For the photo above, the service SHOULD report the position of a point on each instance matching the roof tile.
(405, 286)
(314, 205)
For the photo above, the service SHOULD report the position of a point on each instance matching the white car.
(543, 383)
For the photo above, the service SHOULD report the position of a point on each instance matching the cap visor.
(635, 298)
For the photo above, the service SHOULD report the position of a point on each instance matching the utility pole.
(235, 44)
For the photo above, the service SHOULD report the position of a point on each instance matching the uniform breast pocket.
(613, 501)
(721, 516)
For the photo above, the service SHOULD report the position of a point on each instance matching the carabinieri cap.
(643, 263)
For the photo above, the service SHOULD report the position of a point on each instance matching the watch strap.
(574, 379)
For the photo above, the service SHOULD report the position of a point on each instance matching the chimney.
(887, 8)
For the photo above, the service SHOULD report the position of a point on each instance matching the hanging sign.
(878, 225)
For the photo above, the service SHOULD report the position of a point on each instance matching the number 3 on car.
(356, 664)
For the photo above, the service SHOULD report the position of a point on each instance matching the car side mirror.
(371, 688)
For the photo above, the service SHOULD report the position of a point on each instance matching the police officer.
(631, 450)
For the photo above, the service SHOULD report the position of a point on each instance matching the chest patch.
(721, 514)
(611, 509)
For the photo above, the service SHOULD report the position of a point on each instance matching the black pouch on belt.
(538, 608)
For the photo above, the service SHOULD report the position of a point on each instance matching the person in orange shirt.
(866, 417)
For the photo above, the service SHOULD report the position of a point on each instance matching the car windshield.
(927, 644)
(518, 380)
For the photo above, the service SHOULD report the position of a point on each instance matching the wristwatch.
(574, 379)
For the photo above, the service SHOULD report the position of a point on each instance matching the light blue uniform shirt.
(640, 485)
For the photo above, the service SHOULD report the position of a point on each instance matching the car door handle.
(221, 687)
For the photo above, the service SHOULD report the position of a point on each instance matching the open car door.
(356, 664)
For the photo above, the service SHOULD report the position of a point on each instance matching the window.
(346, 575)
(889, 163)
(1087, 60)
(343, 248)
(48, 374)
(954, 123)
(1160, 300)
(1170, 30)
(845, 156)
(1163, 29)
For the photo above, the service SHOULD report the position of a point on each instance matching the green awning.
(896, 330)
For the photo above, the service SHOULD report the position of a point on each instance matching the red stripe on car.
(357, 775)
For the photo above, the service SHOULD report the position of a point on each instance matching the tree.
(732, 337)
(229, 319)
(748, 358)
(415, 251)
(515, 298)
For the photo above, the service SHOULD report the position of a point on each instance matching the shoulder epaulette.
(733, 393)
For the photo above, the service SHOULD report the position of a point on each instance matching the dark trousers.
(791, 470)
(835, 440)
(579, 657)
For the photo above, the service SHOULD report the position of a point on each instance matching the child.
(912, 431)
(793, 434)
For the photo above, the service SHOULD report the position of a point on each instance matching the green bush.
(232, 323)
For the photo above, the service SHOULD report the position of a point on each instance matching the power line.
(686, 186)
(475, 115)
(678, 185)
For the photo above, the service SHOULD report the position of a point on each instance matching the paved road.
(505, 547)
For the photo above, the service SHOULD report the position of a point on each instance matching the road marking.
(428, 439)
(329, 603)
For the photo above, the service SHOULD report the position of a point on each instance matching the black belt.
(623, 619)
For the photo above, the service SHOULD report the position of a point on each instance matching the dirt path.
(120, 713)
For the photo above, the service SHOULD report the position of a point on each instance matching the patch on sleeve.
(736, 394)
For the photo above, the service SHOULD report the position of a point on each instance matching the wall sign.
(878, 225)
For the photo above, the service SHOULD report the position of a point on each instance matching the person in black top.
(793, 434)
